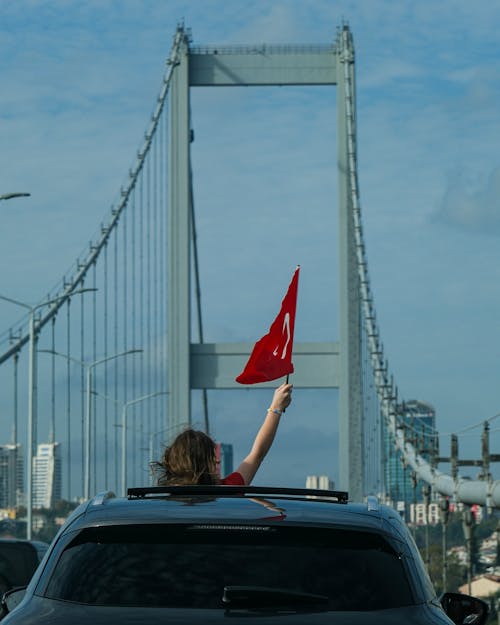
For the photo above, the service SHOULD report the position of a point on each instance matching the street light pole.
(32, 416)
(91, 366)
(32, 398)
(124, 434)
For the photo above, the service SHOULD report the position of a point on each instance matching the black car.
(18, 561)
(197, 554)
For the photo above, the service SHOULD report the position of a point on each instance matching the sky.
(79, 82)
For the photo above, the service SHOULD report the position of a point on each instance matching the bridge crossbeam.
(213, 365)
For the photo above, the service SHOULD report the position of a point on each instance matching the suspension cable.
(64, 288)
(466, 491)
(105, 356)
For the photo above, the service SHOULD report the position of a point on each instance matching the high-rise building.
(224, 453)
(321, 482)
(419, 420)
(47, 475)
(11, 476)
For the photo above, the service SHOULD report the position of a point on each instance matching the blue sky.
(79, 82)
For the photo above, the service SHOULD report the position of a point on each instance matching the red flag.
(271, 357)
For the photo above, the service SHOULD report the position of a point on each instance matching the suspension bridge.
(117, 327)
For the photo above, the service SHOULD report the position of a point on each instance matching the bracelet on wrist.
(275, 411)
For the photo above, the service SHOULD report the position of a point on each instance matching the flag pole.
(287, 376)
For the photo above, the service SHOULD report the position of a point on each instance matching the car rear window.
(191, 566)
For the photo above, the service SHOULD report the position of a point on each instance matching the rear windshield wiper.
(263, 596)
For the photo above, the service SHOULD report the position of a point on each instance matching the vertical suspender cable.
(142, 318)
(140, 294)
(105, 355)
(82, 386)
(148, 289)
(124, 317)
(167, 168)
(404, 478)
(397, 464)
(115, 361)
(94, 357)
(163, 272)
(16, 400)
(68, 399)
(15, 423)
(52, 428)
(133, 296)
(154, 350)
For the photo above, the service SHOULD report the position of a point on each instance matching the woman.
(191, 458)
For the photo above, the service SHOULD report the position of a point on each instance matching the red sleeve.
(233, 479)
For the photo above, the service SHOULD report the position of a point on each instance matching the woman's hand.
(282, 397)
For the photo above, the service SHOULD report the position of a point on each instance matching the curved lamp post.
(89, 366)
(124, 434)
(124, 426)
(9, 196)
(89, 383)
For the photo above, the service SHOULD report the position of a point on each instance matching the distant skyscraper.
(11, 476)
(420, 422)
(224, 452)
(321, 482)
(47, 475)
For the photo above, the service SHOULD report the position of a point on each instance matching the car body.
(206, 554)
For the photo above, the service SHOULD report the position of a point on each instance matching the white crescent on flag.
(286, 326)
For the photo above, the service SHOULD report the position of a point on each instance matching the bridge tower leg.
(351, 465)
(179, 232)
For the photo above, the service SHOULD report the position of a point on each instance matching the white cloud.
(474, 209)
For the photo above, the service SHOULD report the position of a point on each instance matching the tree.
(49, 529)
(62, 508)
(455, 572)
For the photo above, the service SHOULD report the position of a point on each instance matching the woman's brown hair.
(190, 459)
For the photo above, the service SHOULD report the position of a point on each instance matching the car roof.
(237, 504)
